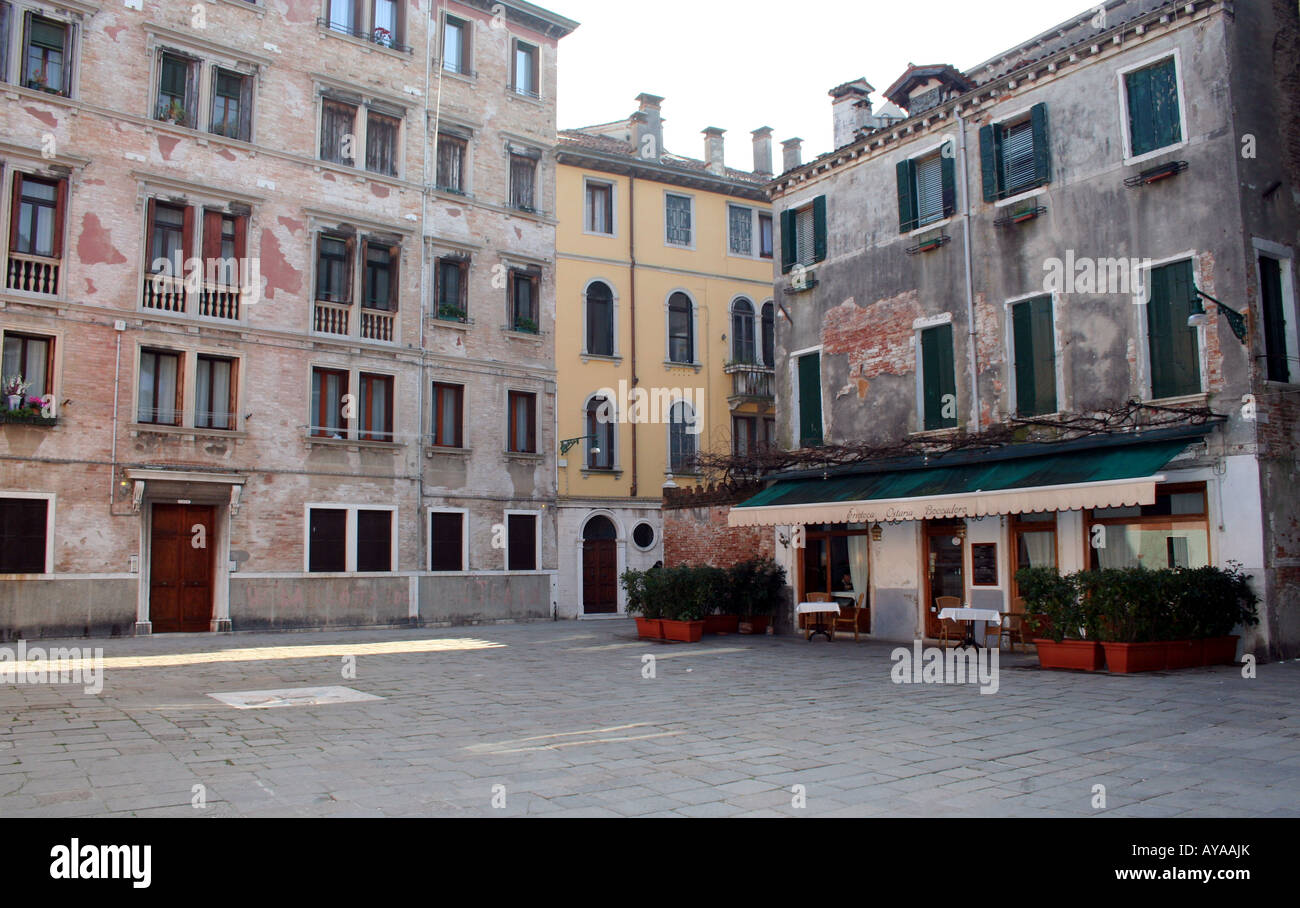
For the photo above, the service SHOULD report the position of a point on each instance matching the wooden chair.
(951, 631)
(995, 632)
(807, 617)
(856, 618)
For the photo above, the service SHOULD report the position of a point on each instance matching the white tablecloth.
(812, 608)
(992, 616)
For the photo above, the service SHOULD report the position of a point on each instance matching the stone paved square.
(561, 716)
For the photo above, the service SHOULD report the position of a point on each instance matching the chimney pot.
(648, 127)
(792, 154)
(714, 152)
(763, 151)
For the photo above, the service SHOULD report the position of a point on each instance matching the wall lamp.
(568, 443)
(1199, 318)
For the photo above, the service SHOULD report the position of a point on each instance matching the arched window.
(681, 330)
(769, 335)
(682, 438)
(599, 527)
(600, 319)
(600, 424)
(742, 332)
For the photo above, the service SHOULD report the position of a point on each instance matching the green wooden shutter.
(906, 196)
(1023, 337)
(938, 378)
(948, 166)
(1270, 301)
(819, 228)
(1044, 356)
(810, 400)
(789, 245)
(989, 167)
(1164, 102)
(1175, 356)
(1042, 144)
(1140, 122)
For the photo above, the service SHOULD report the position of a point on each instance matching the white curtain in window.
(341, 15)
(1118, 553)
(1040, 548)
(858, 546)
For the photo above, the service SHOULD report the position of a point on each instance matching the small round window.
(644, 535)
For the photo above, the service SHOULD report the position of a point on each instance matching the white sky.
(742, 65)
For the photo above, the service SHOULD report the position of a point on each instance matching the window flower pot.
(649, 628)
(756, 624)
(15, 401)
(1184, 653)
(1220, 650)
(1069, 654)
(721, 624)
(1127, 658)
(683, 631)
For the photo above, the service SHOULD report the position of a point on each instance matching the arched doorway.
(599, 567)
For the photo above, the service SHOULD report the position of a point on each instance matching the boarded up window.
(374, 541)
(23, 524)
(446, 541)
(327, 540)
(522, 542)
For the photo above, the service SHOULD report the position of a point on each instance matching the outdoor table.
(819, 609)
(970, 616)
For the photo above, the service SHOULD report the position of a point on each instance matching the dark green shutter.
(1154, 119)
(989, 167)
(1141, 127)
(810, 400)
(819, 228)
(1270, 300)
(906, 196)
(789, 244)
(1175, 362)
(1035, 357)
(947, 164)
(938, 377)
(1042, 144)
(1023, 336)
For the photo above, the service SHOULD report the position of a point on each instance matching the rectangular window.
(338, 132)
(47, 55)
(328, 387)
(938, 378)
(23, 525)
(523, 179)
(231, 104)
(740, 230)
(446, 541)
(334, 269)
(160, 388)
(927, 190)
(455, 45)
(169, 237)
(327, 544)
(37, 215)
(678, 219)
(523, 302)
(764, 235)
(743, 435)
(1154, 119)
(1173, 532)
(214, 393)
(376, 415)
(1034, 345)
(343, 16)
(521, 541)
(451, 163)
(177, 89)
(448, 407)
(380, 291)
(224, 239)
(600, 208)
(803, 235)
(525, 77)
(374, 542)
(1277, 303)
(6, 18)
(1174, 347)
(523, 423)
(386, 29)
(31, 357)
(381, 143)
(1015, 157)
(810, 400)
(451, 275)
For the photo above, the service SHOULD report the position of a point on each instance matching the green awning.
(1107, 477)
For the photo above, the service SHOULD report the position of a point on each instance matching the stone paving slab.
(558, 720)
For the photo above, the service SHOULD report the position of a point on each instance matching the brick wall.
(696, 531)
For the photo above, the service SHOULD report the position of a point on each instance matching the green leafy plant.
(755, 587)
(453, 313)
(1053, 600)
(526, 325)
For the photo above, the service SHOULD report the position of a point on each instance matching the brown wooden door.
(180, 567)
(599, 567)
(945, 573)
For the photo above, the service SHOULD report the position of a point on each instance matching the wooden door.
(599, 567)
(945, 570)
(181, 567)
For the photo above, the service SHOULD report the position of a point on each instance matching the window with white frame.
(743, 341)
(355, 132)
(456, 45)
(1152, 103)
(45, 48)
(448, 539)
(683, 438)
(740, 230)
(523, 541)
(26, 531)
(679, 218)
(349, 538)
(600, 208)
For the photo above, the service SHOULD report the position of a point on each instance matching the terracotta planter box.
(1184, 653)
(1126, 658)
(755, 625)
(1220, 650)
(1074, 654)
(721, 624)
(683, 631)
(649, 628)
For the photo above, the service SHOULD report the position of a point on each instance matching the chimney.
(763, 151)
(850, 109)
(791, 154)
(649, 124)
(713, 151)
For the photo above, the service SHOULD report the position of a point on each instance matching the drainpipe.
(112, 472)
(970, 279)
(631, 304)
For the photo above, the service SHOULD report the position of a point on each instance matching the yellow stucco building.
(664, 327)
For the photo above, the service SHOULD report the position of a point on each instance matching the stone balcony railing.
(750, 381)
(163, 293)
(336, 320)
(33, 274)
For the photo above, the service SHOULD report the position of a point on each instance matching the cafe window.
(1172, 532)
(836, 561)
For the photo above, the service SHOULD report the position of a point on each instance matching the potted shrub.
(685, 602)
(646, 607)
(1218, 600)
(757, 586)
(1134, 612)
(1053, 601)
